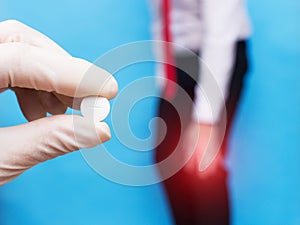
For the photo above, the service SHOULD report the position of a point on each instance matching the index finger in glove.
(31, 67)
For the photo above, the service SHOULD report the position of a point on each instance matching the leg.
(213, 190)
(179, 188)
(194, 200)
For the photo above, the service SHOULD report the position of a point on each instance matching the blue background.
(264, 150)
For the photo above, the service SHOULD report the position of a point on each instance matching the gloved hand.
(45, 79)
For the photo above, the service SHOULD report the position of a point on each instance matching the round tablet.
(96, 108)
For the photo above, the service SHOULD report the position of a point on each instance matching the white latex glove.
(45, 79)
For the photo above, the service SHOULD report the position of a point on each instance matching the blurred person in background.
(217, 32)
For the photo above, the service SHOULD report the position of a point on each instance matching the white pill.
(96, 108)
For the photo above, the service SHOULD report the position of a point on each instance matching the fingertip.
(110, 88)
(114, 88)
(103, 131)
(93, 80)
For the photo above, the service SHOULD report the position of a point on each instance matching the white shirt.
(211, 27)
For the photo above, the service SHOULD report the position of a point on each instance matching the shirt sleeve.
(221, 26)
